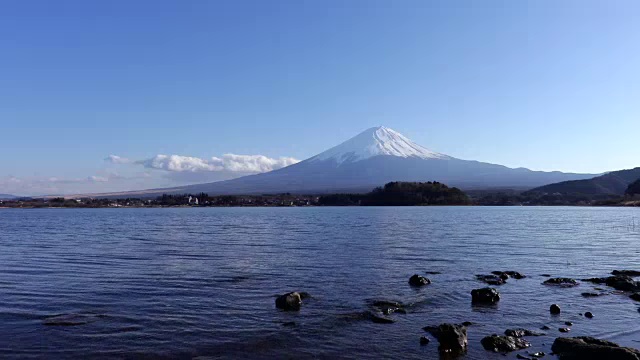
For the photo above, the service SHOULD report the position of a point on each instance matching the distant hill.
(634, 188)
(613, 183)
(7, 197)
(401, 194)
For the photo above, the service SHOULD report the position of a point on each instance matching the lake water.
(200, 282)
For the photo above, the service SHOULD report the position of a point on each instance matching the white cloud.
(226, 163)
(97, 178)
(115, 159)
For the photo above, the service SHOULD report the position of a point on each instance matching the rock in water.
(424, 340)
(417, 280)
(452, 338)
(588, 314)
(485, 296)
(635, 296)
(588, 348)
(592, 294)
(633, 273)
(618, 282)
(503, 343)
(564, 282)
(509, 274)
(554, 309)
(564, 329)
(379, 319)
(289, 302)
(521, 332)
(492, 279)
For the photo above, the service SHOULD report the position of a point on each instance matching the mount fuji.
(372, 158)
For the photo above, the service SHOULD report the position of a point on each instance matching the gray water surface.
(200, 282)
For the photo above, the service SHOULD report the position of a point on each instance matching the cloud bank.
(227, 163)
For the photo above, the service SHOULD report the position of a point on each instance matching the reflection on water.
(184, 283)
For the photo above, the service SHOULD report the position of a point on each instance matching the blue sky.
(544, 84)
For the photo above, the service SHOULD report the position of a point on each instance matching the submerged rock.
(289, 302)
(485, 296)
(509, 274)
(635, 296)
(564, 329)
(389, 307)
(452, 337)
(560, 281)
(632, 273)
(424, 340)
(71, 319)
(417, 280)
(618, 282)
(491, 279)
(521, 332)
(592, 294)
(378, 319)
(504, 343)
(554, 309)
(537, 354)
(588, 348)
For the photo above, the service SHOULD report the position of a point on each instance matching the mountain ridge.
(611, 183)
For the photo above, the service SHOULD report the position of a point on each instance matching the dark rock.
(389, 307)
(289, 324)
(452, 338)
(588, 348)
(508, 274)
(588, 314)
(304, 295)
(538, 354)
(417, 280)
(467, 323)
(635, 296)
(545, 327)
(568, 323)
(519, 356)
(289, 302)
(521, 332)
(491, 279)
(546, 275)
(378, 319)
(592, 294)
(485, 296)
(564, 329)
(433, 272)
(618, 282)
(633, 273)
(564, 282)
(554, 309)
(503, 343)
(424, 340)
(72, 319)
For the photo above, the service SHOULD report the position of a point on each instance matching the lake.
(200, 282)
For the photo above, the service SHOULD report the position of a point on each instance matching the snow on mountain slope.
(377, 141)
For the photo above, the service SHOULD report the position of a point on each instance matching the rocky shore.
(452, 338)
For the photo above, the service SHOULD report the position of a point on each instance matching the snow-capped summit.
(374, 142)
(370, 159)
